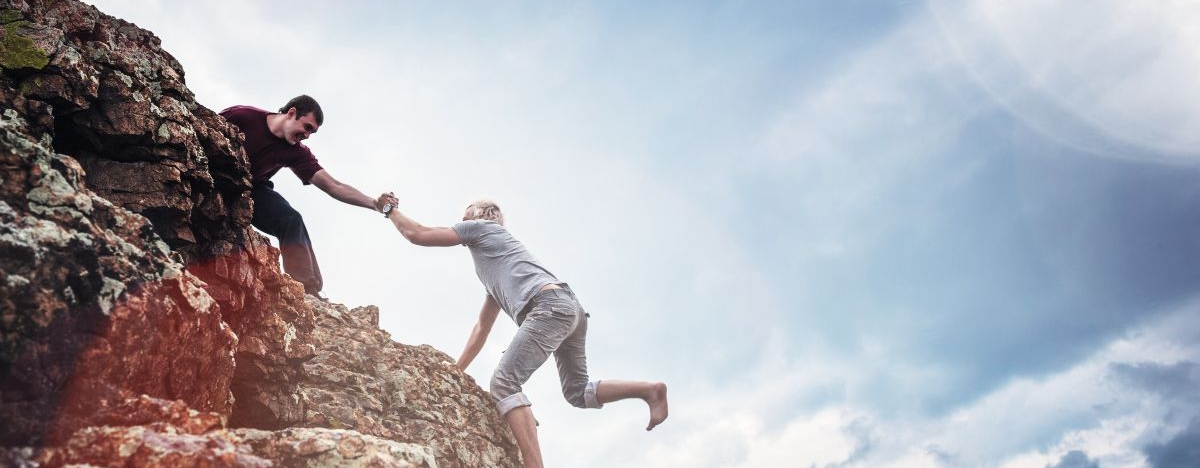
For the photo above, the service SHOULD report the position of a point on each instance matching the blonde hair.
(485, 209)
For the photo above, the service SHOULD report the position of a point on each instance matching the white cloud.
(851, 143)
(1026, 423)
(1105, 76)
(885, 96)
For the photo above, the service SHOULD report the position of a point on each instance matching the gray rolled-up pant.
(554, 323)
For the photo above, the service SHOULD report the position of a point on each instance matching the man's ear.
(291, 113)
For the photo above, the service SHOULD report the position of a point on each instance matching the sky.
(916, 233)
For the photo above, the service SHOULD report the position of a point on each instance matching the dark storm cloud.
(1182, 451)
(1177, 381)
(1075, 459)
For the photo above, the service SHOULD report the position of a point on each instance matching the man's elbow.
(420, 236)
(411, 235)
(328, 189)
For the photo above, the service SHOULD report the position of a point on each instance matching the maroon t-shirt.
(268, 153)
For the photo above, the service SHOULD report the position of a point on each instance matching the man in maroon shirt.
(273, 142)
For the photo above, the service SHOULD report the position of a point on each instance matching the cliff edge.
(143, 322)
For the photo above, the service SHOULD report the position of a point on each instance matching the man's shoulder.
(238, 111)
(475, 228)
(485, 224)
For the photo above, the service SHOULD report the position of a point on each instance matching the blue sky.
(861, 234)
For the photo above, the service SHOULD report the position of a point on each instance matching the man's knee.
(502, 387)
(507, 394)
(576, 399)
(291, 224)
(582, 394)
(574, 394)
(290, 215)
(274, 219)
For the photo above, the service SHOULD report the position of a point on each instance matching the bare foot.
(658, 405)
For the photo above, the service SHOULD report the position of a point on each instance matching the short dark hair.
(304, 104)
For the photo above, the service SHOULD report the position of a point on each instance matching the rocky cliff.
(143, 322)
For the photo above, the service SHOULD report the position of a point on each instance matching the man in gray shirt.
(547, 312)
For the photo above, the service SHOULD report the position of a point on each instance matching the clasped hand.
(387, 198)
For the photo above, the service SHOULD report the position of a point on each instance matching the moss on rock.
(8, 16)
(17, 51)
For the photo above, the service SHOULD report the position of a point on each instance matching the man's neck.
(275, 125)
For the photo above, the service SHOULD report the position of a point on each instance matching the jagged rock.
(113, 100)
(311, 447)
(128, 267)
(360, 379)
(150, 432)
(94, 307)
(158, 445)
(142, 431)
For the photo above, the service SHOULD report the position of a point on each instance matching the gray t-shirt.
(508, 271)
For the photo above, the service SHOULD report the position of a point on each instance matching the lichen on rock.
(16, 50)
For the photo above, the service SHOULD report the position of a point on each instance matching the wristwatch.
(387, 208)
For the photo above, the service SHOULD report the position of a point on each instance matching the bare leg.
(653, 393)
(521, 421)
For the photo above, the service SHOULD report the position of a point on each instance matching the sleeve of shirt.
(235, 116)
(468, 231)
(306, 165)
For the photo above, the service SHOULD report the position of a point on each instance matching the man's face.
(297, 130)
(467, 213)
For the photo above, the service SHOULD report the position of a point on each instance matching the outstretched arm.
(479, 334)
(344, 192)
(423, 235)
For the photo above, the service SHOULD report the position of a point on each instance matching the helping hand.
(388, 198)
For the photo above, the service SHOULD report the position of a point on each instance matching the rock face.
(80, 276)
(131, 281)
(360, 379)
(147, 432)
(144, 432)
(107, 95)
